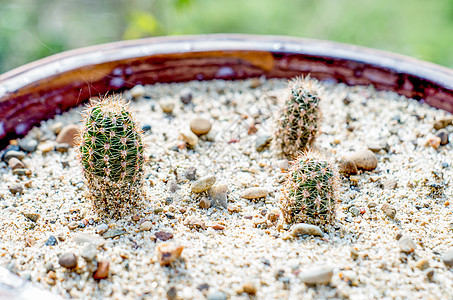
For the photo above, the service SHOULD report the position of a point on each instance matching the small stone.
(138, 91)
(203, 286)
(433, 141)
(354, 211)
(46, 146)
(200, 126)
(172, 186)
(273, 215)
(102, 228)
(218, 295)
(282, 164)
(32, 217)
(447, 258)
(136, 218)
(218, 194)
(172, 293)
(158, 210)
(218, 227)
(302, 228)
(354, 179)
(167, 106)
(443, 122)
(252, 129)
(254, 193)
(186, 96)
(204, 203)
(146, 128)
(194, 223)
(56, 127)
(12, 153)
(67, 135)
(347, 167)
(262, 142)
(102, 271)
(145, 226)
(68, 260)
(28, 184)
(15, 163)
(317, 275)
(191, 173)
(189, 137)
(28, 145)
(16, 189)
(377, 146)
(407, 244)
(86, 238)
(389, 183)
(21, 172)
(443, 135)
(89, 252)
(111, 233)
(163, 235)
(62, 147)
(429, 273)
(389, 210)
(49, 267)
(203, 184)
(168, 253)
(249, 288)
(422, 264)
(364, 159)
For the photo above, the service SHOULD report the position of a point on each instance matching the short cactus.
(310, 191)
(299, 121)
(111, 153)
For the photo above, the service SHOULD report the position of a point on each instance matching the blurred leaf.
(142, 24)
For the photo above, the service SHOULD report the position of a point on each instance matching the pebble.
(46, 146)
(317, 275)
(447, 258)
(16, 189)
(200, 126)
(86, 238)
(282, 164)
(303, 228)
(167, 106)
(168, 253)
(422, 264)
(390, 183)
(111, 233)
(51, 241)
(62, 147)
(102, 270)
(191, 173)
(443, 122)
(433, 141)
(254, 193)
(204, 203)
(443, 135)
(194, 223)
(138, 91)
(347, 166)
(56, 127)
(218, 194)
(163, 235)
(189, 137)
(389, 210)
(407, 244)
(68, 260)
(32, 217)
(89, 252)
(249, 288)
(21, 172)
(376, 146)
(262, 141)
(12, 153)
(68, 135)
(218, 227)
(218, 295)
(172, 186)
(364, 159)
(186, 96)
(145, 226)
(203, 184)
(28, 145)
(102, 228)
(15, 163)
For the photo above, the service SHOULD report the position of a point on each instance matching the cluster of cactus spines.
(298, 124)
(310, 190)
(111, 153)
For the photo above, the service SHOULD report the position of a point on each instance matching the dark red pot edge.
(39, 90)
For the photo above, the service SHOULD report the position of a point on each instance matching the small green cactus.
(310, 191)
(299, 121)
(111, 155)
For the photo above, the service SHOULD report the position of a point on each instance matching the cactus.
(111, 154)
(299, 121)
(310, 191)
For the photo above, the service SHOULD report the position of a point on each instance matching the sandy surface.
(362, 247)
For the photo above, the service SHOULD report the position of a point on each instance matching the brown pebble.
(273, 215)
(407, 244)
(67, 135)
(347, 166)
(443, 135)
(204, 203)
(163, 235)
(364, 159)
(15, 163)
(68, 260)
(167, 106)
(200, 126)
(168, 253)
(249, 288)
(389, 210)
(218, 227)
(16, 189)
(443, 122)
(254, 193)
(255, 82)
(62, 147)
(136, 217)
(102, 271)
(194, 223)
(422, 264)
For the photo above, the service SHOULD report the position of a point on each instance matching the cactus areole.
(111, 155)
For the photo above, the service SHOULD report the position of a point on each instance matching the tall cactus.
(298, 124)
(111, 155)
(310, 190)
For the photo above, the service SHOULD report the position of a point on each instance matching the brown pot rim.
(38, 90)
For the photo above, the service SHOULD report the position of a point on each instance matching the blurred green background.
(32, 29)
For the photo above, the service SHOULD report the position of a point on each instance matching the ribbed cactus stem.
(111, 155)
(310, 191)
(299, 120)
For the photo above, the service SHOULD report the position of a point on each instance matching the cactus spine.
(310, 191)
(299, 121)
(111, 155)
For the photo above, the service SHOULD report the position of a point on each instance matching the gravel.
(227, 247)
